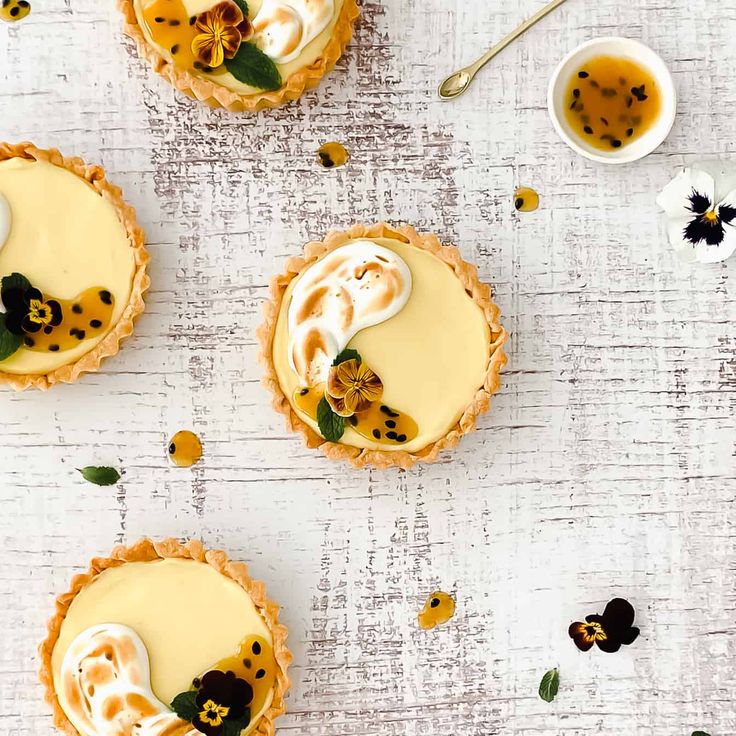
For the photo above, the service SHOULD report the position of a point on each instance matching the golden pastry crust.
(95, 176)
(478, 291)
(147, 550)
(215, 95)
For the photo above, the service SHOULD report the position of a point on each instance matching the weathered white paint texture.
(605, 468)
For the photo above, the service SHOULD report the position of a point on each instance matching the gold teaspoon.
(458, 82)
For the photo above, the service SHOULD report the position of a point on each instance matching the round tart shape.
(381, 346)
(241, 55)
(72, 267)
(165, 639)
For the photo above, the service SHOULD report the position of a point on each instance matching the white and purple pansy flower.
(701, 217)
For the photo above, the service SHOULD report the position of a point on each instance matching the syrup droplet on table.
(439, 609)
(333, 155)
(14, 10)
(185, 449)
(526, 199)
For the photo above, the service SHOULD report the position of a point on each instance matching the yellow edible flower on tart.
(213, 713)
(221, 31)
(352, 387)
(40, 312)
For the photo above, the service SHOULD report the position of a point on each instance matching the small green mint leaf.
(233, 728)
(700, 733)
(347, 354)
(243, 6)
(100, 476)
(185, 705)
(9, 342)
(15, 281)
(331, 425)
(251, 66)
(549, 685)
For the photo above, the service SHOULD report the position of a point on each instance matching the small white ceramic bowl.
(613, 46)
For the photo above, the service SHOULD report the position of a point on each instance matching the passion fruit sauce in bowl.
(612, 100)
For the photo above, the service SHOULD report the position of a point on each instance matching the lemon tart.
(243, 55)
(165, 639)
(72, 267)
(381, 346)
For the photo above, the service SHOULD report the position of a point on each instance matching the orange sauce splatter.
(439, 609)
(185, 449)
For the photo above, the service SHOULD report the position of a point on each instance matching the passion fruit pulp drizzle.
(87, 315)
(379, 422)
(105, 678)
(44, 323)
(255, 663)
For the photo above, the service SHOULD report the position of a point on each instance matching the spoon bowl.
(454, 85)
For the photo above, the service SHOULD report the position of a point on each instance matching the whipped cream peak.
(283, 29)
(358, 285)
(106, 683)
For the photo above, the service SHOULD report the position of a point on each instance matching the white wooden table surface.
(605, 468)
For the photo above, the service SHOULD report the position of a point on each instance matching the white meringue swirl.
(106, 682)
(356, 286)
(283, 29)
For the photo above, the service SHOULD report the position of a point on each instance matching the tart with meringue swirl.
(165, 639)
(243, 55)
(381, 346)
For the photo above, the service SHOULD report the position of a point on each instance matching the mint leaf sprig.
(100, 475)
(331, 425)
(251, 66)
(549, 685)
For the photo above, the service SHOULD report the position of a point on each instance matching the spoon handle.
(474, 68)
